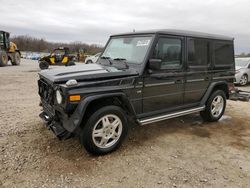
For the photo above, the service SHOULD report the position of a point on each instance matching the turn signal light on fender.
(74, 98)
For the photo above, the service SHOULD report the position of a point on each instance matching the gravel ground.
(182, 152)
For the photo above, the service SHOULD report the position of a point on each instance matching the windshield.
(58, 52)
(132, 49)
(241, 63)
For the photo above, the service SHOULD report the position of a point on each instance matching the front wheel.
(43, 65)
(16, 59)
(215, 106)
(243, 80)
(105, 130)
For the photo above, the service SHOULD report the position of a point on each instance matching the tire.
(44, 65)
(243, 80)
(102, 142)
(211, 115)
(89, 62)
(3, 58)
(17, 59)
(70, 63)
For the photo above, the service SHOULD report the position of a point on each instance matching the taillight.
(231, 87)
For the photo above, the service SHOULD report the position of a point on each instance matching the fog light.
(58, 97)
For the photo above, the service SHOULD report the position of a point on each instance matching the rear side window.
(198, 52)
(223, 53)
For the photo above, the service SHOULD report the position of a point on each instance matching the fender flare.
(210, 90)
(73, 123)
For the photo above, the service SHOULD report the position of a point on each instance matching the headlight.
(237, 71)
(59, 97)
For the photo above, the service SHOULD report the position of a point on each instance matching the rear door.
(198, 75)
(163, 89)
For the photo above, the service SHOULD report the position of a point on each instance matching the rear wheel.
(215, 106)
(16, 59)
(105, 130)
(3, 58)
(244, 80)
(70, 63)
(89, 62)
(43, 65)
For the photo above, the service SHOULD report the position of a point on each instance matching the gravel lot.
(182, 152)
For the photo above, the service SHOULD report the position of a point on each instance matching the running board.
(171, 115)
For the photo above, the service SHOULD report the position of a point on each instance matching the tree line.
(32, 44)
(243, 55)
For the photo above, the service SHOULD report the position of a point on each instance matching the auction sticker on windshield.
(143, 42)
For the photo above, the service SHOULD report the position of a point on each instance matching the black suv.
(141, 77)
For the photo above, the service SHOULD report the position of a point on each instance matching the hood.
(85, 72)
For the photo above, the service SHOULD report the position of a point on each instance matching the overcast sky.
(92, 21)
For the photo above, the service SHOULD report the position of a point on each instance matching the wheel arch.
(221, 85)
(92, 103)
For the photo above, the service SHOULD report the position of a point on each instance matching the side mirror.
(155, 64)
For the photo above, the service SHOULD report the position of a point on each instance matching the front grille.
(46, 92)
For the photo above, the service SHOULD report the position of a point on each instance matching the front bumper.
(50, 122)
(62, 125)
(237, 78)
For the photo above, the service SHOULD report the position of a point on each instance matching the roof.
(1, 31)
(179, 33)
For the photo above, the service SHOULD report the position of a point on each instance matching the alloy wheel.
(217, 106)
(243, 80)
(107, 131)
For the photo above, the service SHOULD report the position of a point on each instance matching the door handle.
(178, 81)
(206, 78)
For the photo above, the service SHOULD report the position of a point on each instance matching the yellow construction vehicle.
(8, 50)
(60, 56)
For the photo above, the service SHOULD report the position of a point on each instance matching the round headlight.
(58, 97)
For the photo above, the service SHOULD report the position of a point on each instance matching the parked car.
(242, 73)
(35, 56)
(140, 78)
(92, 58)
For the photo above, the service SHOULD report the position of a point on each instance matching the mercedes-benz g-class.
(140, 77)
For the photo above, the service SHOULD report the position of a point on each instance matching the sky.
(93, 21)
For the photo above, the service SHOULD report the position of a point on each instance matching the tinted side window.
(169, 51)
(223, 53)
(198, 52)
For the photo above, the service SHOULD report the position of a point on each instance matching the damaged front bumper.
(55, 126)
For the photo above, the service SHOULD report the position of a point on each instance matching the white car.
(92, 58)
(242, 73)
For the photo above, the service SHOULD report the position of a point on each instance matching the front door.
(163, 89)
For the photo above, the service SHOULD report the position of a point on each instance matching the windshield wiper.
(106, 58)
(123, 60)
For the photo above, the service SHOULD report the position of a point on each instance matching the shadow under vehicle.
(8, 50)
(60, 56)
